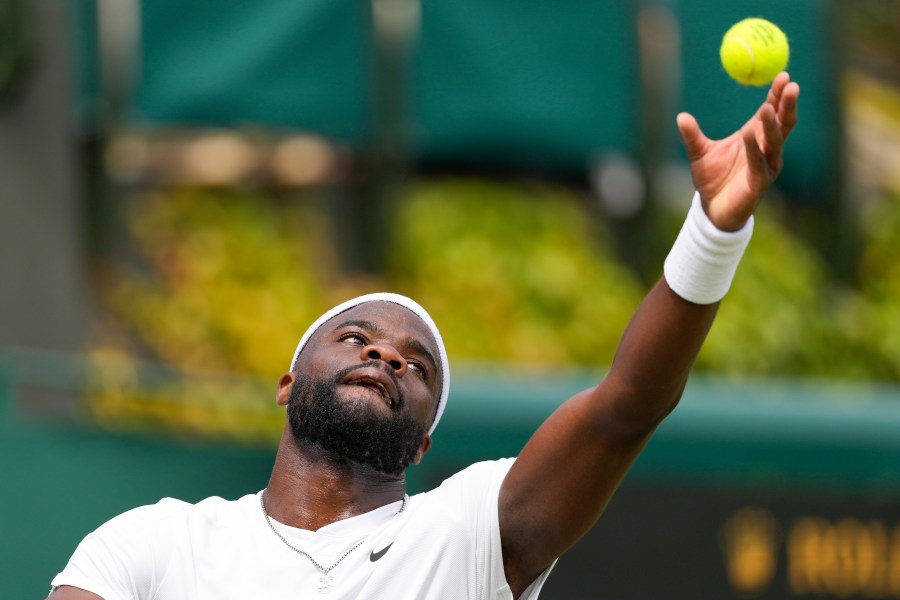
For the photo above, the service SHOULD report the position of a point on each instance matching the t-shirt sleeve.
(125, 558)
(473, 495)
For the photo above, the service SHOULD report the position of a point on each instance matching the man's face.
(366, 387)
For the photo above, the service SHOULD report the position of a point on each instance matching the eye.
(417, 367)
(354, 337)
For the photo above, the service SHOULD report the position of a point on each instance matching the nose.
(386, 353)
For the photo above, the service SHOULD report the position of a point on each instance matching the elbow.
(639, 410)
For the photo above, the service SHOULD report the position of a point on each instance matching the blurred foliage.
(879, 320)
(513, 273)
(127, 395)
(780, 316)
(226, 280)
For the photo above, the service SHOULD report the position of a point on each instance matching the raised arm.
(572, 465)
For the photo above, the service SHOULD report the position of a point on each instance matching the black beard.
(354, 432)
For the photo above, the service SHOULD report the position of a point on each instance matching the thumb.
(693, 139)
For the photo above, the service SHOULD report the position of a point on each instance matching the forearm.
(655, 356)
(667, 331)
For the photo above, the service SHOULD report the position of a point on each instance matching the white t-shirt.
(445, 545)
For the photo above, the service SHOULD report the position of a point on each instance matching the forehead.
(396, 321)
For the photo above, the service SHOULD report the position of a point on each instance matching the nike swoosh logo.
(377, 555)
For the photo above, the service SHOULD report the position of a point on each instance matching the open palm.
(731, 174)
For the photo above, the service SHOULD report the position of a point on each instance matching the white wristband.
(703, 259)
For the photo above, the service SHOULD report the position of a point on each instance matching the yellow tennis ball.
(754, 51)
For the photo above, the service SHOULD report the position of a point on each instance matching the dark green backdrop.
(491, 82)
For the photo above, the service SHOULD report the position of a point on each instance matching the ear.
(284, 389)
(426, 444)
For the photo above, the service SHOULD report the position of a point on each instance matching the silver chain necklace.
(326, 581)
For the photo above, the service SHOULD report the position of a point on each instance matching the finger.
(759, 172)
(691, 136)
(777, 88)
(772, 138)
(783, 96)
(787, 109)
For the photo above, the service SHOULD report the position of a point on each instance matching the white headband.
(407, 303)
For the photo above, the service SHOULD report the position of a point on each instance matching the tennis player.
(366, 388)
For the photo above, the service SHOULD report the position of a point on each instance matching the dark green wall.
(526, 84)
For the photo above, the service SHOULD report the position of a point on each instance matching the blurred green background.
(185, 187)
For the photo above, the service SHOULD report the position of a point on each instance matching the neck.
(310, 488)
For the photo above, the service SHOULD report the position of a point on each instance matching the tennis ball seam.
(749, 48)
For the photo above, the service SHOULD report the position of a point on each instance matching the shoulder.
(483, 472)
(220, 508)
(170, 513)
(148, 516)
(130, 555)
(472, 486)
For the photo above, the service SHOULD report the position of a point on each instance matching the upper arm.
(67, 592)
(569, 469)
(561, 482)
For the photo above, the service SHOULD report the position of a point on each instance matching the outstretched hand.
(731, 174)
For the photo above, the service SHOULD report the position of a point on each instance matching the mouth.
(376, 382)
